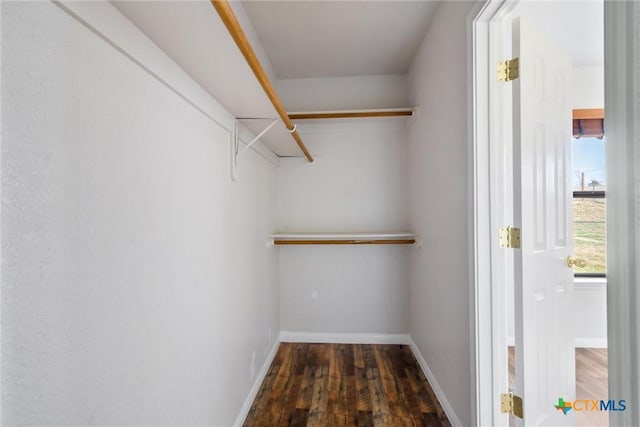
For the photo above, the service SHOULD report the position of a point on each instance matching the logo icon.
(563, 406)
(590, 405)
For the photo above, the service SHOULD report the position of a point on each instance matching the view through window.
(589, 205)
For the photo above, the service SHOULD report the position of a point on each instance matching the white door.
(545, 361)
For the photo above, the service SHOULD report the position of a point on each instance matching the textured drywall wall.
(356, 184)
(588, 87)
(127, 297)
(438, 181)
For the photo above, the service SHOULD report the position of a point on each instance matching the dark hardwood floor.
(345, 385)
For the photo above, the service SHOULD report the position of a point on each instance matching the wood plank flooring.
(345, 385)
(592, 382)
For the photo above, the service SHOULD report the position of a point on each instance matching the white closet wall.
(357, 184)
(344, 93)
(137, 288)
(588, 86)
(439, 194)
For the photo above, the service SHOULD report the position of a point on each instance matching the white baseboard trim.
(246, 406)
(591, 342)
(446, 406)
(321, 337)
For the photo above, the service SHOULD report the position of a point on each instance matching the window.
(589, 205)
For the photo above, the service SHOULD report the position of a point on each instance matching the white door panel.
(545, 364)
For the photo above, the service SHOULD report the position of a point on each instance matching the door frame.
(488, 269)
(622, 73)
(622, 106)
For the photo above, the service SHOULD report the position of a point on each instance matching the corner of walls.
(433, 382)
(439, 291)
(255, 388)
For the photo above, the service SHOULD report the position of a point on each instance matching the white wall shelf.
(382, 238)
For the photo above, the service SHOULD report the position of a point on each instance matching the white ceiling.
(320, 38)
(340, 38)
(578, 26)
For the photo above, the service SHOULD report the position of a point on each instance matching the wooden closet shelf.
(344, 238)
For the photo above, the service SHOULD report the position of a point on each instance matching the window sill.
(590, 283)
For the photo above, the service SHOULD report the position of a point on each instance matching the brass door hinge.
(511, 404)
(508, 70)
(509, 237)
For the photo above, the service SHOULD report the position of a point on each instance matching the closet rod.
(350, 114)
(235, 30)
